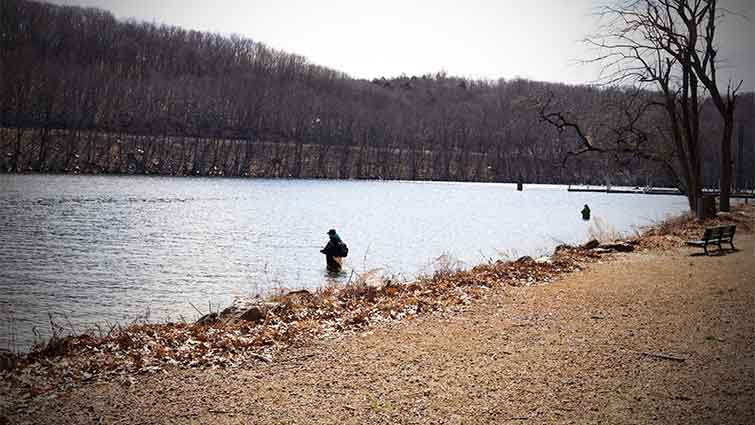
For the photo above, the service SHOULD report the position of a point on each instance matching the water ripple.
(96, 249)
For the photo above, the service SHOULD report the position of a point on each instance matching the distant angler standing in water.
(334, 252)
(586, 213)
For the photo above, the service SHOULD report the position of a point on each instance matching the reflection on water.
(110, 248)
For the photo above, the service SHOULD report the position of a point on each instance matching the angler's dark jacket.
(331, 249)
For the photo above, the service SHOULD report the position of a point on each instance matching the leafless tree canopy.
(666, 48)
(83, 92)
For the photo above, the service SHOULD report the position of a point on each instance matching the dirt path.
(568, 352)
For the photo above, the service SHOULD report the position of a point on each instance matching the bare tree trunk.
(182, 157)
(344, 170)
(726, 165)
(248, 155)
(360, 161)
(42, 155)
(233, 169)
(17, 151)
(321, 161)
(413, 175)
(298, 160)
(90, 151)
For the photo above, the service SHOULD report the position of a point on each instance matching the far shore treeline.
(83, 92)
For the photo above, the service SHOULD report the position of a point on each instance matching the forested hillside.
(83, 92)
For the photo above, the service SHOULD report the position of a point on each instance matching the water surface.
(97, 249)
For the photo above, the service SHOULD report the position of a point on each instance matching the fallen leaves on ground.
(295, 318)
(676, 231)
(301, 316)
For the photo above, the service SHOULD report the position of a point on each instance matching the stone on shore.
(247, 310)
(619, 246)
(8, 360)
(208, 318)
(591, 244)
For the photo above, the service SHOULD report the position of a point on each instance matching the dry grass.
(602, 231)
(302, 317)
(295, 318)
(576, 351)
(675, 231)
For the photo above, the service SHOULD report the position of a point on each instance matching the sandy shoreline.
(658, 336)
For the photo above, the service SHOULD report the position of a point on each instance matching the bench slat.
(696, 242)
(712, 233)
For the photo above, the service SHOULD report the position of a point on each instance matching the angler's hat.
(332, 232)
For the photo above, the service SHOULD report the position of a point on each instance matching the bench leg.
(733, 248)
(705, 248)
(720, 249)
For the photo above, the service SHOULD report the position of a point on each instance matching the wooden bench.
(715, 236)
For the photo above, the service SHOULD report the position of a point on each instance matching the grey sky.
(536, 39)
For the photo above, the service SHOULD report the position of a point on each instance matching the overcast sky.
(535, 39)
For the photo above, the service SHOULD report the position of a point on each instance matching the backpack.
(343, 250)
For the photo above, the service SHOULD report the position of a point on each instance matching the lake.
(111, 249)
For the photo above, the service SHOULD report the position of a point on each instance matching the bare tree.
(81, 91)
(670, 46)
